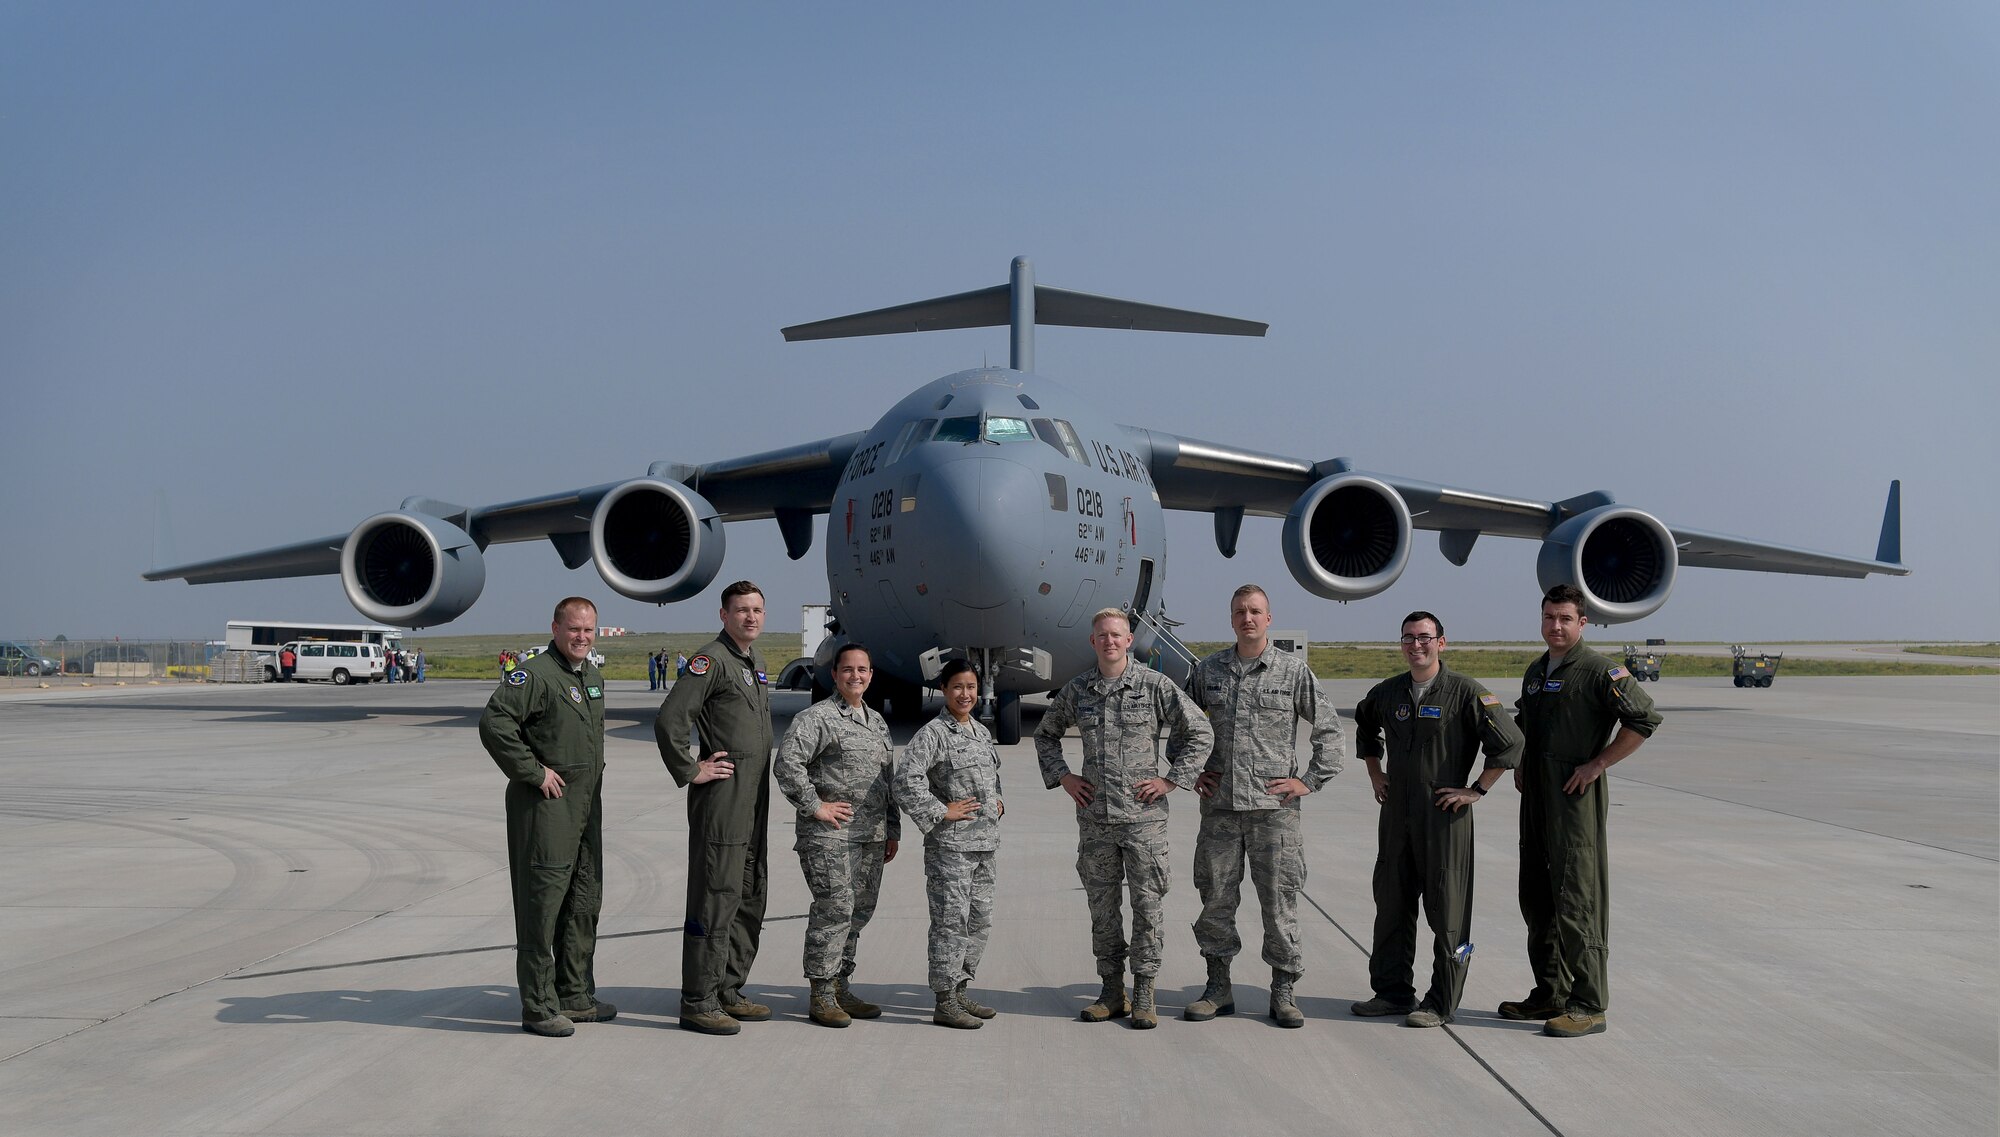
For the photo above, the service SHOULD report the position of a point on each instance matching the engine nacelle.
(1623, 559)
(1348, 537)
(411, 569)
(656, 540)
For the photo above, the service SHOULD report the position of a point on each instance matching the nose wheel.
(1007, 719)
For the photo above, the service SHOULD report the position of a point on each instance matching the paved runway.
(284, 910)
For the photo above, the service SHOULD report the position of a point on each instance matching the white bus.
(265, 637)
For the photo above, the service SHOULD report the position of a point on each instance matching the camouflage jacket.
(947, 762)
(834, 752)
(1119, 721)
(1255, 707)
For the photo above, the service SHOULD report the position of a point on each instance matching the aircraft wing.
(1192, 474)
(793, 482)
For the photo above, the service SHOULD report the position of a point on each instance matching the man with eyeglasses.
(1430, 722)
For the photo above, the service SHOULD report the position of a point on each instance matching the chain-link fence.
(112, 661)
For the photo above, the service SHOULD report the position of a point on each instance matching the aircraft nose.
(985, 513)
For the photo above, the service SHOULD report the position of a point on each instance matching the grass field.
(478, 657)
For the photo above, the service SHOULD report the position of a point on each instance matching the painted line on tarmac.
(459, 951)
(1452, 1034)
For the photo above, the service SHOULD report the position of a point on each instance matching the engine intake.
(1623, 559)
(1348, 537)
(656, 540)
(411, 569)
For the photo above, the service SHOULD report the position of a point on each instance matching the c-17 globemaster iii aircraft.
(991, 512)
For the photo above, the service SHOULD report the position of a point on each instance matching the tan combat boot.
(742, 1009)
(555, 1026)
(1216, 998)
(599, 1011)
(708, 1022)
(855, 1006)
(825, 1005)
(1110, 1002)
(1144, 1015)
(952, 1014)
(976, 1010)
(1284, 1009)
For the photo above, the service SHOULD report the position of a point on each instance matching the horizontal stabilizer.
(989, 308)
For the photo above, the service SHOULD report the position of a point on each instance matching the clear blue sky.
(280, 266)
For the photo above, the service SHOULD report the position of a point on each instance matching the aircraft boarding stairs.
(1155, 645)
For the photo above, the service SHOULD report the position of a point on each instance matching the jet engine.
(656, 540)
(411, 569)
(1622, 558)
(1348, 537)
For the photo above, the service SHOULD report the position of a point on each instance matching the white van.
(343, 662)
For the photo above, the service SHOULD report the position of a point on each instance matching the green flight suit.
(1567, 714)
(1423, 851)
(723, 697)
(546, 713)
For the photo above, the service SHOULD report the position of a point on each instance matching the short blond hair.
(1107, 613)
(1247, 590)
(571, 603)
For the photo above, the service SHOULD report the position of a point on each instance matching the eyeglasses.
(1425, 641)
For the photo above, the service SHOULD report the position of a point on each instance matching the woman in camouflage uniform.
(948, 785)
(834, 766)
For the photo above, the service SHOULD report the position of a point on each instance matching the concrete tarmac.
(283, 909)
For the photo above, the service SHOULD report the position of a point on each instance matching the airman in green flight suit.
(723, 698)
(1571, 699)
(544, 727)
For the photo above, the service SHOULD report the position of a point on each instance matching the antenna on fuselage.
(1020, 304)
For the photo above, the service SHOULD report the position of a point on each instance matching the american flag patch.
(1620, 673)
(1489, 700)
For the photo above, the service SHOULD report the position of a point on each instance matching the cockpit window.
(957, 430)
(1008, 430)
(913, 434)
(1061, 436)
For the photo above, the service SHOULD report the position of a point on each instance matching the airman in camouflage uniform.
(834, 766)
(1119, 708)
(1436, 722)
(948, 785)
(1255, 698)
(1570, 700)
(544, 727)
(723, 696)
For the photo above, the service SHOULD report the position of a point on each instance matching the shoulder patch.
(699, 665)
(516, 678)
(1489, 700)
(1619, 673)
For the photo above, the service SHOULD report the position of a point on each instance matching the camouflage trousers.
(1108, 856)
(845, 878)
(1269, 839)
(959, 885)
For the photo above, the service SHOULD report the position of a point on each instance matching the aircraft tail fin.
(1021, 304)
(1889, 547)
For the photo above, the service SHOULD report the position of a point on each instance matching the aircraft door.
(1145, 589)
